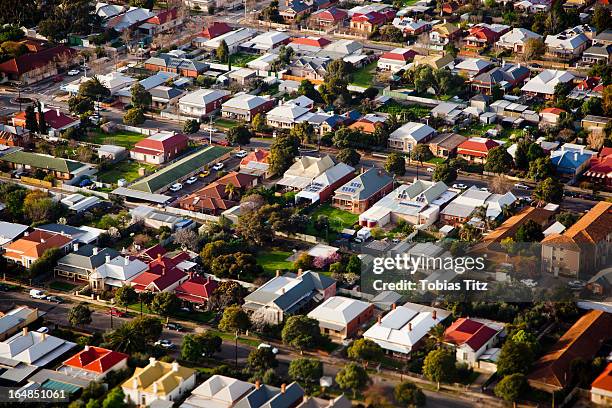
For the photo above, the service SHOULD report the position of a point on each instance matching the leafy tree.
(191, 126)
(258, 124)
(134, 117)
(407, 393)
(391, 33)
(530, 231)
(79, 315)
(165, 303)
(451, 49)
(567, 218)
(521, 157)
(270, 13)
(353, 265)
(196, 346)
(45, 263)
(114, 399)
(93, 89)
(226, 294)
(308, 89)
(352, 377)
(301, 332)
(306, 371)
(38, 206)
(222, 52)
(514, 357)
(607, 100)
(541, 168)
(365, 350)
(303, 131)
(534, 48)
(550, 190)
(125, 296)
(601, 18)
(445, 173)
(421, 153)
(261, 359)
(283, 151)
(148, 4)
(349, 156)
(80, 105)
(498, 160)
(236, 266)
(134, 336)
(592, 106)
(234, 319)
(510, 387)
(141, 98)
(439, 366)
(31, 123)
(396, 164)
(240, 135)
(535, 152)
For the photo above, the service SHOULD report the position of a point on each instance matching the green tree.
(308, 89)
(353, 265)
(79, 315)
(191, 126)
(541, 168)
(498, 160)
(80, 105)
(258, 124)
(301, 332)
(240, 135)
(45, 263)
(135, 336)
(529, 231)
(349, 156)
(141, 98)
(535, 152)
(31, 123)
(222, 52)
(94, 89)
(445, 173)
(352, 377)
(306, 371)
(303, 131)
(510, 388)
(114, 399)
(407, 393)
(601, 18)
(391, 33)
(440, 366)
(365, 350)
(421, 153)
(165, 303)
(261, 359)
(534, 48)
(396, 164)
(514, 357)
(550, 190)
(451, 49)
(125, 296)
(521, 157)
(134, 117)
(283, 151)
(234, 319)
(196, 346)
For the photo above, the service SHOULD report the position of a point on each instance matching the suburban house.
(472, 67)
(597, 54)
(244, 107)
(395, 59)
(595, 124)
(328, 17)
(600, 169)
(218, 392)
(543, 85)
(256, 163)
(341, 49)
(162, 275)
(14, 136)
(304, 171)
(476, 149)
(68, 171)
(164, 21)
(15, 320)
(552, 372)
(10, 231)
(443, 33)
(152, 218)
(116, 272)
(216, 29)
(445, 144)
(212, 199)
(341, 317)
(34, 348)
(460, 210)
(233, 39)
(83, 261)
(170, 63)
(202, 102)
(196, 289)
(163, 96)
(406, 137)
(410, 26)
(601, 388)
(471, 338)
(114, 81)
(36, 66)
(368, 22)
(160, 78)
(159, 148)
(323, 186)
(287, 115)
(482, 35)
(57, 121)
(505, 77)
(363, 191)
(287, 396)
(550, 116)
(27, 249)
(310, 68)
(266, 42)
(516, 39)
(308, 45)
(434, 61)
(292, 9)
(568, 44)
(288, 294)
(368, 123)
(582, 249)
(402, 330)
(94, 363)
(82, 235)
(418, 203)
(571, 160)
(158, 381)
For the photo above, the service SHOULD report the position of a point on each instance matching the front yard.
(272, 260)
(225, 123)
(121, 138)
(364, 76)
(127, 170)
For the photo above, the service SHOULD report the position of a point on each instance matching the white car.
(459, 186)
(43, 329)
(167, 344)
(576, 284)
(176, 187)
(191, 180)
(267, 346)
(522, 186)
(211, 129)
(218, 166)
(74, 72)
(530, 283)
(241, 154)
(430, 169)
(38, 294)
(485, 189)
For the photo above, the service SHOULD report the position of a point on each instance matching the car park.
(167, 344)
(218, 166)
(242, 153)
(191, 180)
(176, 187)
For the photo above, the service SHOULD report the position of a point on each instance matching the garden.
(122, 138)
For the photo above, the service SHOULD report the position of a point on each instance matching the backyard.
(241, 59)
(405, 112)
(124, 139)
(127, 169)
(271, 260)
(365, 75)
(338, 220)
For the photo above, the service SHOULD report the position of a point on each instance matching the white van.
(363, 235)
(37, 294)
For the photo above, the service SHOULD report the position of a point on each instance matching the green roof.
(43, 161)
(181, 168)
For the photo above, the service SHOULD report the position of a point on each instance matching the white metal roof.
(340, 310)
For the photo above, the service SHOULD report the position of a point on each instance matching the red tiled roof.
(96, 359)
(196, 289)
(238, 180)
(29, 62)
(259, 156)
(311, 41)
(163, 17)
(604, 381)
(406, 56)
(373, 17)
(470, 332)
(57, 120)
(216, 29)
(150, 280)
(153, 253)
(166, 145)
(332, 14)
(556, 111)
(484, 33)
(589, 83)
(476, 148)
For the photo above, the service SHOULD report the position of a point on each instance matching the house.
(410, 26)
(403, 329)
(287, 396)
(159, 148)
(82, 235)
(212, 199)
(10, 231)
(600, 169)
(304, 171)
(116, 272)
(471, 338)
(550, 116)
(552, 372)
(244, 107)
(505, 77)
(218, 392)
(112, 153)
(256, 163)
(83, 261)
(471, 67)
(170, 63)
(56, 120)
(288, 294)
(196, 289)
(16, 319)
(94, 363)
(363, 191)
(164, 21)
(476, 149)
(341, 49)
(233, 39)
(395, 59)
(516, 39)
(482, 35)
(418, 203)
(601, 388)
(582, 249)
(597, 54)
(68, 171)
(338, 402)
(604, 38)
(322, 187)
(216, 29)
(160, 78)
(341, 317)
(568, 44)
(27, 249)
(368, 22)
(286, 116)
(308, 45)
(594, 124)
(36, 66)
(158, 381)
(310, 68)
(328, 17)
(202, 102)
(266, 42)
(14, 136)
(434, 61)
(128, 20)
(164, 96)
(293, 9)
(449, 112)
(571, 160)
(543, 85)
(409, 135)
(263, 64)
(445, 144)
(460, 210)
(152, 218)
(444, 33)
(34, 348)
(369, 123)
(164, 274)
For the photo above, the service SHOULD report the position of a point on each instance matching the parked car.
(568, 193)
(576, 284)
(74, 72)
(522, 186)
(4, 287)
(211, 129)
(115, 312)
(176, 187)
(204, 174)
(167, 344)
(58, 78)
(430, 169)
(530, 283)
(222, 142)
(218, 166)
(267, 346)
(43, 329)
(191, 180)
(242, 153)
(175, 327)
(460, 186)
(37, 294)
(485, 189)
(55, 299)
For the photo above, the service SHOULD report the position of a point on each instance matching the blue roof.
(569, 160)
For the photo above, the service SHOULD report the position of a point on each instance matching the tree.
(498, 160)
(191, 126)
(439, 366)
(445, 173)
(222, 52)
(521, 158)
(187, 238)
(451, 49)
(303, 131)
(38, 206)
(94, 89)
(529, 231)
(407, 393)
(534, 48)
(308, 89)
(196, 346)
(125, 296)
(141, 98)
(353, 265)
(31, 122)
(607, 100)
(391, 33)
(80, 105)
(541, 168)
(510, 387)
(365, 350)
(349, 156)
(306, 371)
(396, 164)
(79, 315)
(226, 294)
(301, 332)
(535, 152)
(134, 117)
(134, 336)
(601, 18)
(258, 124)
(165, 303)
(550, 190)
(234, 319)
(352, 377)
(514, 357)
(114, 399)
(240, 135)
(45, 263)
(283, 151)
(261, 359)
(421, 153)
(270, 13)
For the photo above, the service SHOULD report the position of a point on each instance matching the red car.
(222, 142)
(58, 78)
(114, 312)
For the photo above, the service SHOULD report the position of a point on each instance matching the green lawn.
(436, 160)
(241, 59)
(409, 111)
(125, 139)
(199, 317)
(123, 170)
(273, 260)
(364, 76)
(62, 286)
(338, 220)
(231, 337)
(225, 123)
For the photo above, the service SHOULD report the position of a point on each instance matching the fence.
(135, 129)
(191, 214)
(75, 189)
(301, 237)
(355, 294)
(37, 182)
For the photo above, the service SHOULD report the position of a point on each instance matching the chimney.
(152, 360)
(158, 256)
(95, 250)
(86, 347)
(175, 367)
(75, 246)
(25, 234)
(434, 314)
(155, 388)
(575, 158)
(299, 273)
(409, 326)
(257, 384)
(135, 383)
(127, 261)
(42, 240)
(379, 319)
(57, 111)
(283, 290)
(283, 387)
(24, 332)
(277, 273)
(163, 270)
(107, 258)
(393, 306)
